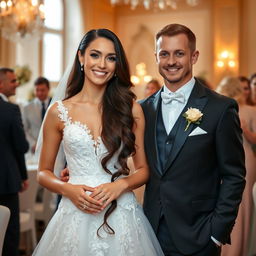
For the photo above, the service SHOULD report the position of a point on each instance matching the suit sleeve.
(19, 141)
(231, 162)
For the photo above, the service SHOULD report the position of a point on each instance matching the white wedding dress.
(72, 232)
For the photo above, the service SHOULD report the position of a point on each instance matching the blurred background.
(45, 40)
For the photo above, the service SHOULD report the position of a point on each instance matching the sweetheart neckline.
(96, 141)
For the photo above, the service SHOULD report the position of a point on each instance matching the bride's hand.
(82, 200)
(107, 192)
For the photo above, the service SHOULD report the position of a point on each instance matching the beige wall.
(226, 31)
(98, 14)
(248, 38)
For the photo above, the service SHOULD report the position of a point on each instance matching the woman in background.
(242, 235)
(253, 87)
(245, 84)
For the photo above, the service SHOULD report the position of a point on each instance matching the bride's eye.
(112, 58)
(94, 55)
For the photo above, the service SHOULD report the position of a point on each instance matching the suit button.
(167, 142)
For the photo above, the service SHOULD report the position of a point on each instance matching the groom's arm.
(231, 165)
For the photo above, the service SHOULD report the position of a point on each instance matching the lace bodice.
(83, 153)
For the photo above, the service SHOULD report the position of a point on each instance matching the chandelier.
(155, 4)
(20, 19)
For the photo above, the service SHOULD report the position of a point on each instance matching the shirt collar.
(186, 89)
(4, 97)
(37, 101)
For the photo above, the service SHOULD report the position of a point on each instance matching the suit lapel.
(153, 129)
(197, 100)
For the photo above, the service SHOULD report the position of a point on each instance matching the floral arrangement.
(193, 115)
(23, 74)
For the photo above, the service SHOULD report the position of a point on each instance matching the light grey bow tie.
(168, 98)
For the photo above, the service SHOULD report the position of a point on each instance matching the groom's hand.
(64, 175)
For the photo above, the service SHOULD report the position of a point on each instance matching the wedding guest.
(241, 234)
(151, 87)
(13, 146)
(34, 111)
(245, 84)
(253, 87)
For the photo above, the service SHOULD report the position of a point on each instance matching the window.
(52, 41)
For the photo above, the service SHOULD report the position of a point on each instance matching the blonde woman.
(242, 232)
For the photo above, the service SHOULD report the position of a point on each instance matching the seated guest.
(34, 111)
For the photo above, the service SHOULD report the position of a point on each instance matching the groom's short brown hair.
(176, 29)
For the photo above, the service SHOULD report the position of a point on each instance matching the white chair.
(254, 195)
(27, 205)
(45, 209)
(4, 220)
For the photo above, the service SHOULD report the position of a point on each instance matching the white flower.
(193, 115)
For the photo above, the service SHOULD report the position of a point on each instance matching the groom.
(195, 156)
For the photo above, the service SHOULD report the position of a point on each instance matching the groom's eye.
(163, 54)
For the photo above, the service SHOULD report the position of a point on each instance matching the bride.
(100, 125)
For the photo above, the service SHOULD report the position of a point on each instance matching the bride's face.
(99, 61)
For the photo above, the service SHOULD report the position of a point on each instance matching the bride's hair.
(117, 102)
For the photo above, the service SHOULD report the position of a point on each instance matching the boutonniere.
(193, 115)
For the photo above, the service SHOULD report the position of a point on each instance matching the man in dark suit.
(194, 148)
(13, 145)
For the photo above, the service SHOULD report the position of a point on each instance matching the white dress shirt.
(4, 97)
(172, 110)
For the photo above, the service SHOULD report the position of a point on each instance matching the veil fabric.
(59, 94)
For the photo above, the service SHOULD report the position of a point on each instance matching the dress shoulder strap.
(63, 112)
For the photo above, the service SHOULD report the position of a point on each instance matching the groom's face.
(175, 60)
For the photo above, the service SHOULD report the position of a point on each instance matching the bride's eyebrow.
(99, 52)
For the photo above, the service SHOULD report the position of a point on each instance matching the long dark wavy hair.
(117, 118)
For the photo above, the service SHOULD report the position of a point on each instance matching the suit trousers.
(168, 246)
(11, 241)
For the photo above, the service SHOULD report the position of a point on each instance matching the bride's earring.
(82, 68)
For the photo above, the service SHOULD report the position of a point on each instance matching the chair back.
(28, 197)
(4, 219)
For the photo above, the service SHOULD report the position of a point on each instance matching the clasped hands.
(92, 199)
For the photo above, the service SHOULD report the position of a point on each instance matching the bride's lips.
(99, 73)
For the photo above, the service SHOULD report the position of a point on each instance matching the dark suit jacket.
(200, 187)
(13, 145)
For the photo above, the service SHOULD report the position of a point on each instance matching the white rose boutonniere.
(193, 115)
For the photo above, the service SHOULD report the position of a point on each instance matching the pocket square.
(197, 131)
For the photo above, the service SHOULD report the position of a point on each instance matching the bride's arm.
(110, 191)
(52, 136)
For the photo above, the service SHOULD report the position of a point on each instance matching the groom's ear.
(195, 56)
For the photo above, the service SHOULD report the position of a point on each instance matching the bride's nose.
(102, 63)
